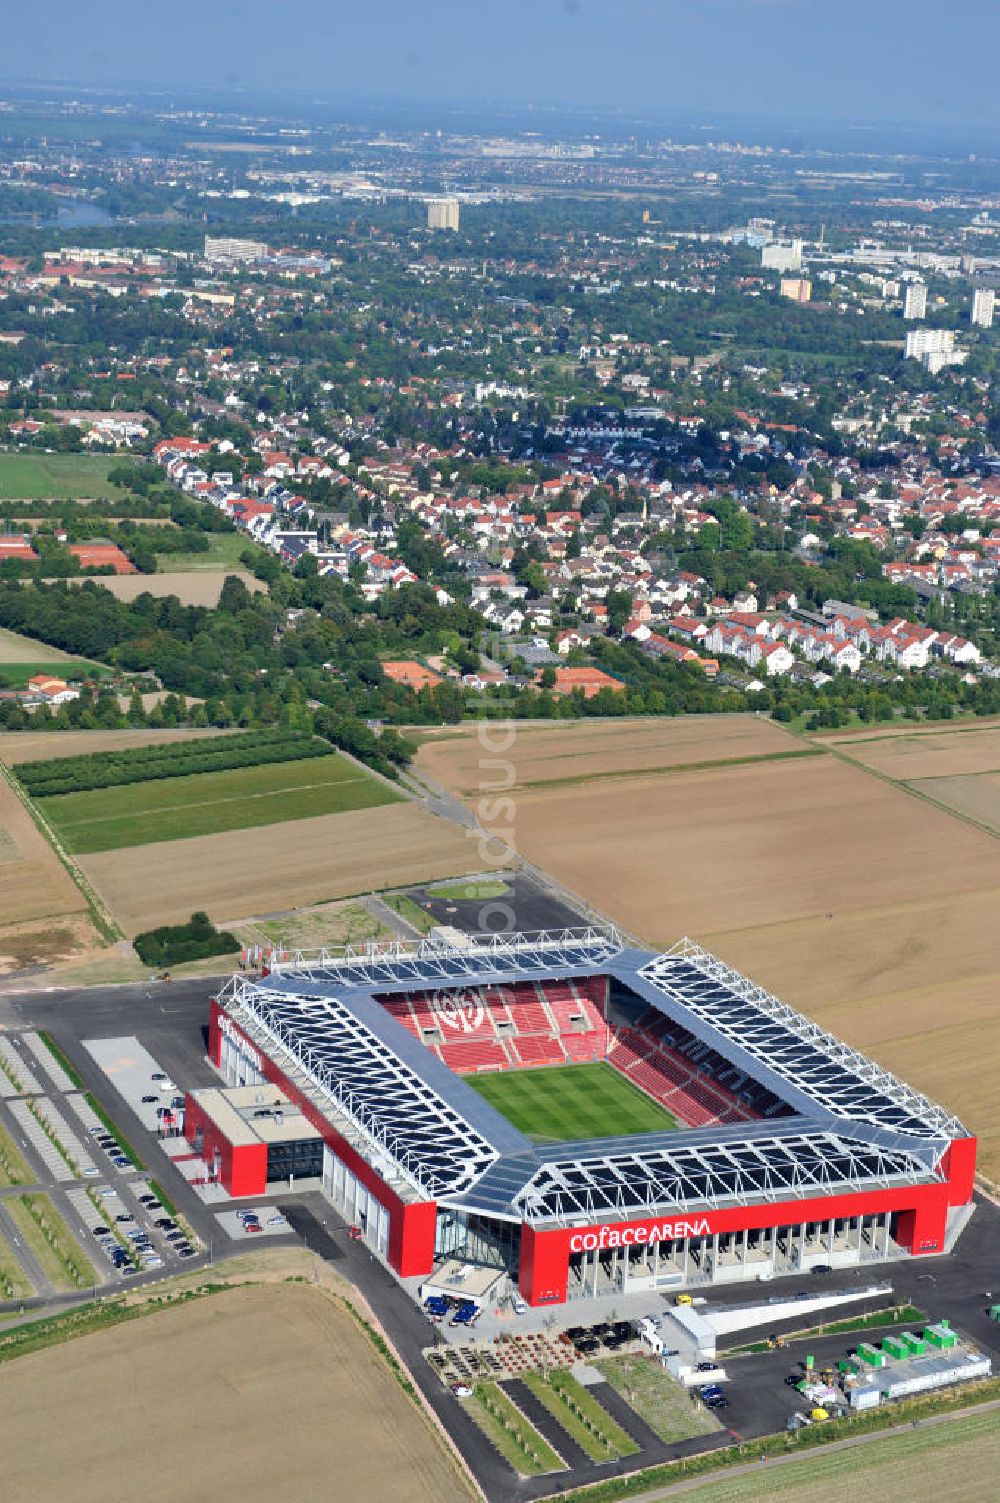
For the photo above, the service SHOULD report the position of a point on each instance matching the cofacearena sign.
(625, 1236)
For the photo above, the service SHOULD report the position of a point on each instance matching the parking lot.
(136, 1075)
(250, 1222)
(71, 1154)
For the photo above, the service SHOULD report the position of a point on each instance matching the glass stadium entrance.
(731, 1257)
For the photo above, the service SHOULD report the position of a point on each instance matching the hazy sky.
(877, 60)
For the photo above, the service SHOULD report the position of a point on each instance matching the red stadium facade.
(889, 1182)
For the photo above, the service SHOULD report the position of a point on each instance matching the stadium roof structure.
(849, 1125)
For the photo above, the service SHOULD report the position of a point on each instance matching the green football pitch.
(571, 1101)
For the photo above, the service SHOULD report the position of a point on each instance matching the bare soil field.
(467, 760)
(194, 587)
(976, 795)
(33, 883)
(15, 648)
(273, 867)
(42, 746)
(929, 754)
(260, 1392)
(866, 907)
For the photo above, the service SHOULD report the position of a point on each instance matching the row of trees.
(174, 760)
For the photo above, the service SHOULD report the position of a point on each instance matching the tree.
(619, 604)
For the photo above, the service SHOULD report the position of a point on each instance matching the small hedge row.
(174, 944)
(173, 760)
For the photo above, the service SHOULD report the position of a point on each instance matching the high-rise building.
(983, 301)
(799, 289)
(915, 301)
(780, 255)
(222, 248)
(934, 348)
(442, 214)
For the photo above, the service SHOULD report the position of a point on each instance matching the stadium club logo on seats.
(461, 1011)
(625, 1236)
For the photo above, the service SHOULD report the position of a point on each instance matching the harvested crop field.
(41, 746)
(245, 872)
(976, 796)
(258, 1392)
(192, 587)
(15, 648)
(870, 909)
(468, 759)
(106, 819)
(929, 754)
(952, 1461)
(33, 883)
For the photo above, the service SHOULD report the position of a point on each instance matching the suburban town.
(499, 680)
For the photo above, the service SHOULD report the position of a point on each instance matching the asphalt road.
(526, 907)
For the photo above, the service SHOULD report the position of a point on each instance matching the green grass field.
(571, 1101)
(56, 477)
(16, 675)
(224, 551)
(105, 819)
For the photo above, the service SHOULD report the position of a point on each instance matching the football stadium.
(584, 1116)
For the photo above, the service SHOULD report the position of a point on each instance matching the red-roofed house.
(100, 556)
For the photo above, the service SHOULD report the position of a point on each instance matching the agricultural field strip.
(948, 1461)
(267, 868)
(603, 775)
(175, 808)
(106, 769)
(17, 648)
(28, 746)
(543, 754)
(263, 1361)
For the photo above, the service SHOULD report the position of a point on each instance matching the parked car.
(148, 1100)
